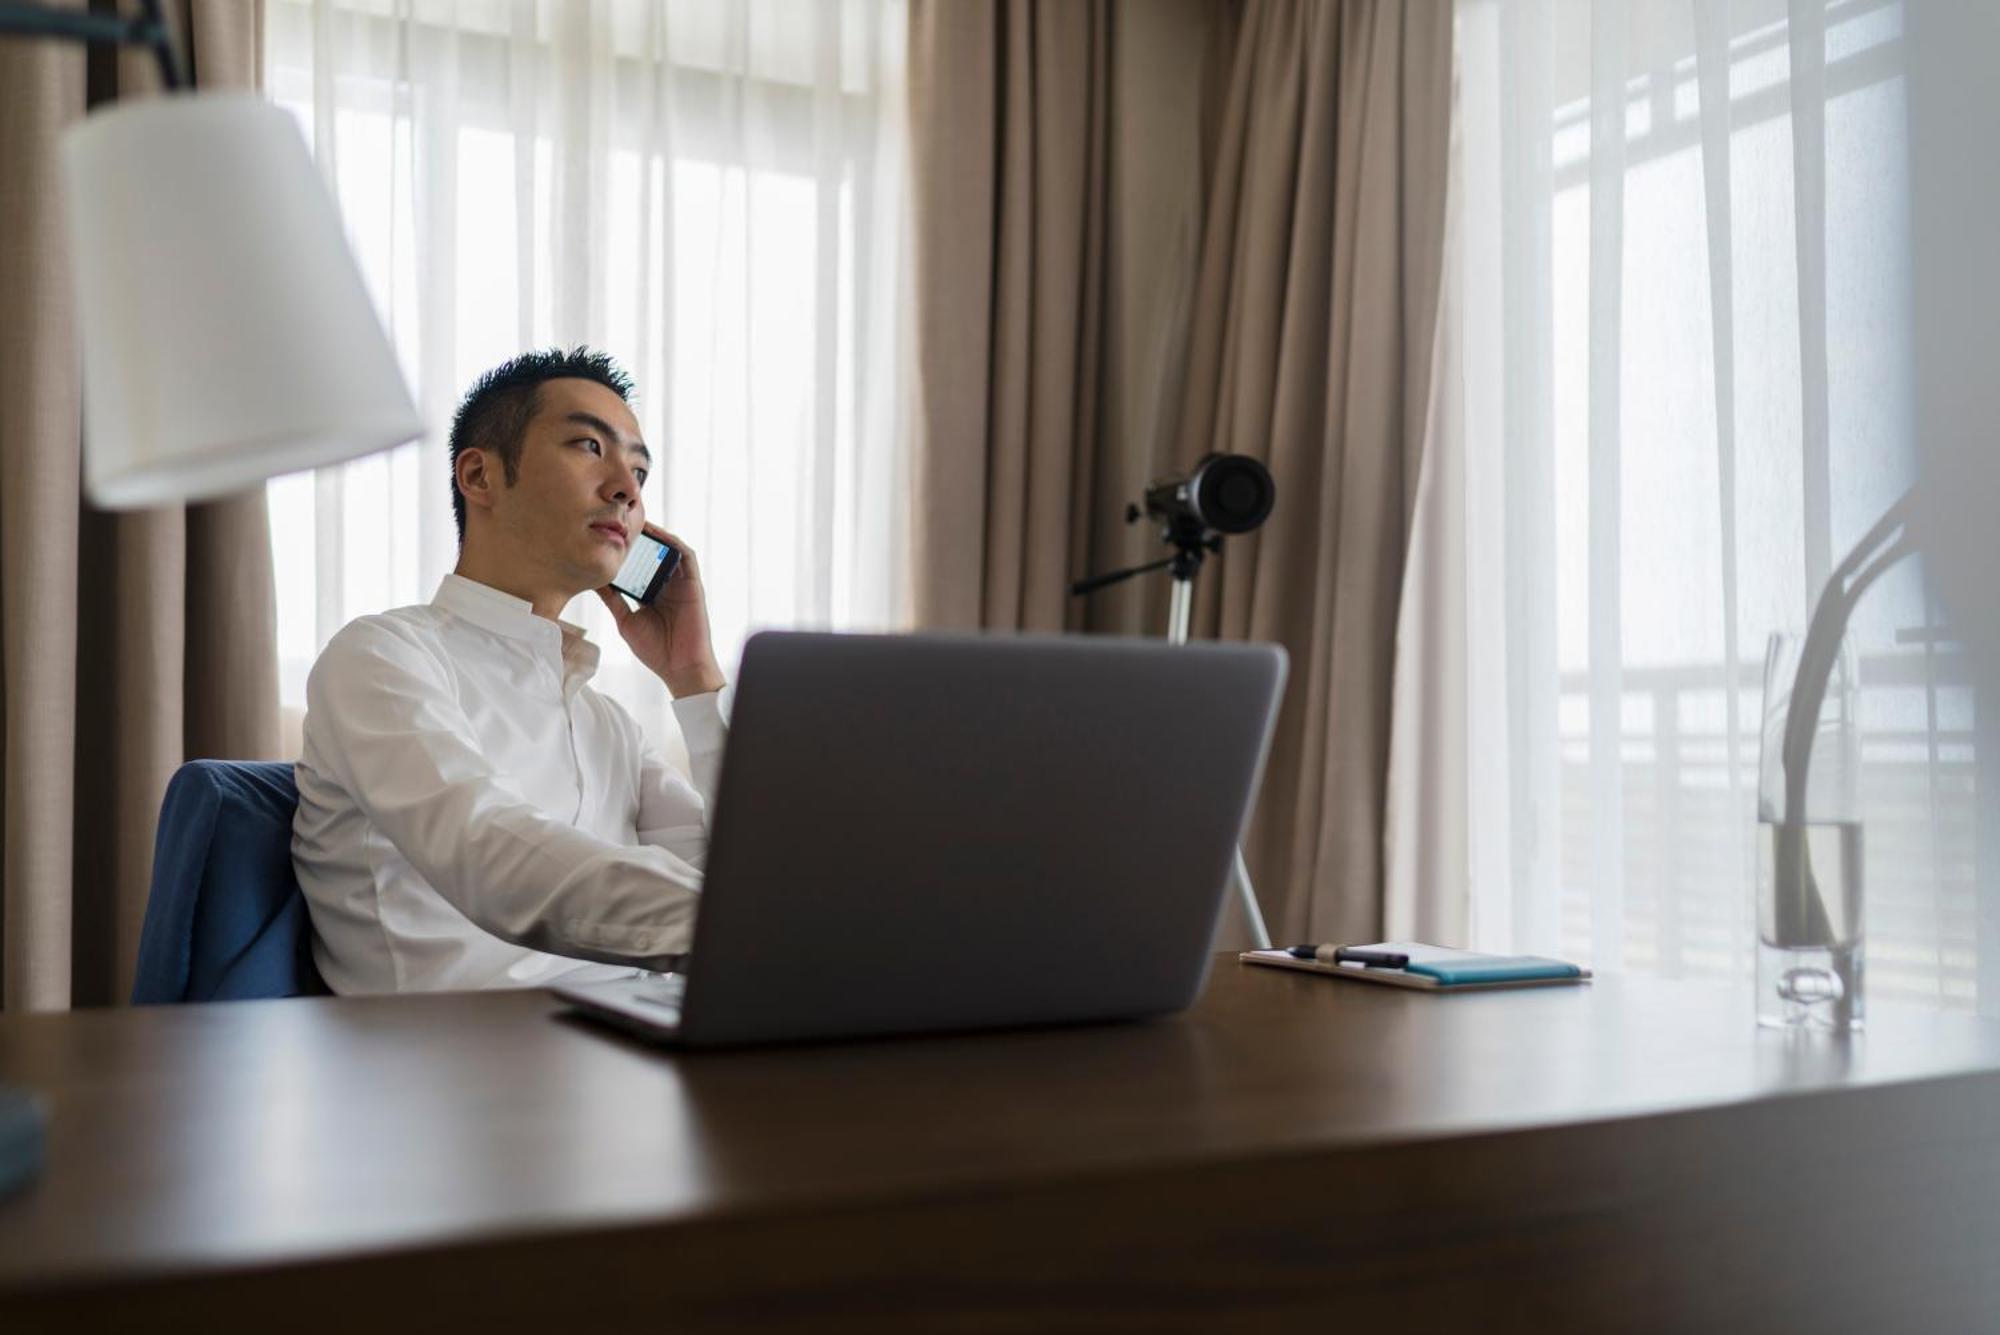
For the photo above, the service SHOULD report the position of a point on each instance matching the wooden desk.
(1633, 1155)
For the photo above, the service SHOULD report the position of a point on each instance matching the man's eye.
(642, 475)
(590, 444)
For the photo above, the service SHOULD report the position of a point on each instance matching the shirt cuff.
(704, 724)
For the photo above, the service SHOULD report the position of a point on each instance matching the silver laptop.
(919, 833)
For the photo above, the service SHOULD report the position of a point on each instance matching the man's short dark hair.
(495, 413)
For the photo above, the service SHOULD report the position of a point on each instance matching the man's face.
(575, 505)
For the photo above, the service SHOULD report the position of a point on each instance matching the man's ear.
(476, 482)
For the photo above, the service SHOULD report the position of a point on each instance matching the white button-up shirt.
(472, 814)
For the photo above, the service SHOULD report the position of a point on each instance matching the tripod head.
(1222, 494)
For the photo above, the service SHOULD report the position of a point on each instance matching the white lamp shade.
(226, 333)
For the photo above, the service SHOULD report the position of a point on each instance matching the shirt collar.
(514, 618)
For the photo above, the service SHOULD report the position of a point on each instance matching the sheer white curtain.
(1675, 389)
(710, 190)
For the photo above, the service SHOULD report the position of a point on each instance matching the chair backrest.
(225, 919)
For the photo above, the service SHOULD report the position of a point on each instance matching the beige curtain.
(131, 642)
(1075, 337)
(1056, 185)
(1008, 144)
(1312, 331)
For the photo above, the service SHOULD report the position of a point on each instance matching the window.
(1682, 313)
(711, 191)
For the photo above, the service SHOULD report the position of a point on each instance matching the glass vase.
(1810, 954)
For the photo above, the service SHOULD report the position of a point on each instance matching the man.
(471, 813)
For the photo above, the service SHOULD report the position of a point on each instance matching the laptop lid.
(941, 832)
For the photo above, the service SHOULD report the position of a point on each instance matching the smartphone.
(649, 564)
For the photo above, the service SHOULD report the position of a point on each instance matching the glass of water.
(1809, 854)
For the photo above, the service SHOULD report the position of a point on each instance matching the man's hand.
(670, 635)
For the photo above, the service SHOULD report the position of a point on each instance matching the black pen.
(1378, 959)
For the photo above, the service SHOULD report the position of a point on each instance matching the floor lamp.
(226, 335)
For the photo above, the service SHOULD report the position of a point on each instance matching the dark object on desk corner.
(225, 919)
(21, 1139)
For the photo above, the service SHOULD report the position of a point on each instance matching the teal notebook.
(1436, 968)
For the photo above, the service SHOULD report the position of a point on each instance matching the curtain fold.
(1313, 326)
(40, 424)
(132, 641)
(1056, 179)
(1009, 154)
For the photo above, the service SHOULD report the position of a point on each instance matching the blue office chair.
(226, 920)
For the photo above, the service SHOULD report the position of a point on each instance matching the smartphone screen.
(649, 563)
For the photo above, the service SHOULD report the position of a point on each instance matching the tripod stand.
(1183, 566)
